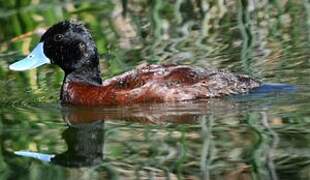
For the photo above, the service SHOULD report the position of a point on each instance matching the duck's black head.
(70, 45)
(67, 44)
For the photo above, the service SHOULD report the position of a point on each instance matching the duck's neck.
(86, 75)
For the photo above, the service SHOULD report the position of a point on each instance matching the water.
(262, 135)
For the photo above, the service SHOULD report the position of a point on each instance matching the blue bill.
(34, 59)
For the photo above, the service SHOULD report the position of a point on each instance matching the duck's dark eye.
(58, 37)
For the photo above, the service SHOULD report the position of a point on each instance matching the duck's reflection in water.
(177, 113)
(84, 146)
(84, 136)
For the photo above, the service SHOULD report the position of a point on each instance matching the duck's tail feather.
(274, 88)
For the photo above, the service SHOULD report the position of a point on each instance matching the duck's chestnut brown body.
(157, 83)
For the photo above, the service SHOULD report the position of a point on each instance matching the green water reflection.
(262, 136)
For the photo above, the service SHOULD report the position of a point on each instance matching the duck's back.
(163, 83)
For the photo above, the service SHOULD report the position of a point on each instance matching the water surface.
(262, 135)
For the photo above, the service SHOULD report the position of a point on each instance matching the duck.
(69, 45)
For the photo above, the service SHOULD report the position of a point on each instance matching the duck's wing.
(162, 83)
(224, 83)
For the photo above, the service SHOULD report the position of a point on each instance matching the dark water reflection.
(263, 135)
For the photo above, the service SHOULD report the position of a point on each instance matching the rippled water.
(262, 135)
